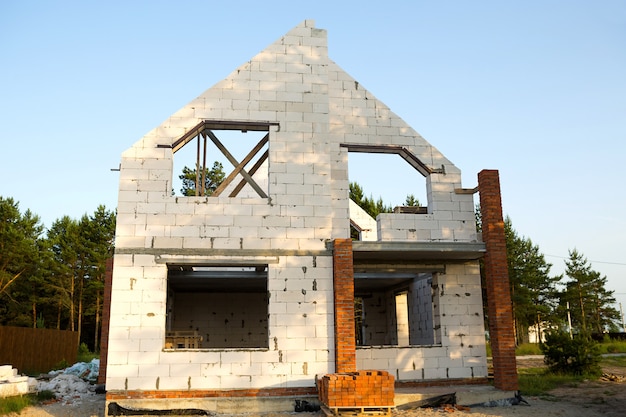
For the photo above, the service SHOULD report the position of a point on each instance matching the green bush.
(62, 364)
(45, 395)
(83, 349)
(579, 355)
(84, 355)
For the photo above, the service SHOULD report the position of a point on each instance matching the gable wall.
(317, 107)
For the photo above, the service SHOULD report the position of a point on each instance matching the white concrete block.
(185, 370)
(122, 371)
(263, 381)
(167, 242)
(321, 341)
(153, 370)
(117, 358)
(142, 383)
(115, 383)
(7, 372)
(410, 375)
(276, 368)
(204, 383)
(123, 320)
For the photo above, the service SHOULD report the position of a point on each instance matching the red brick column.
(500, 307)
(106, 313)
(343, 286)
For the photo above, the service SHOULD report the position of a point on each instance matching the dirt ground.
(587, 399)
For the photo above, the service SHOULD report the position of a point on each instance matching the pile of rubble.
(71, 384)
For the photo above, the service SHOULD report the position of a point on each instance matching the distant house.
(249, 291)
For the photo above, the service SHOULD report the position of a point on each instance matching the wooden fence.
(33, 351)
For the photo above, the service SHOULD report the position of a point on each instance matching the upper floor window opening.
(222, 158)
(386, 179)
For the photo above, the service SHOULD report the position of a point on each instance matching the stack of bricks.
(357, 389)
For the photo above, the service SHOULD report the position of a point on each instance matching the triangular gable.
(262, 89)
(259, 90)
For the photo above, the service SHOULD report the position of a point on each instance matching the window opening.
(395, 309)
(227, 159)
(218, 307)
(402, 319)
(358, 320)
(392, 181)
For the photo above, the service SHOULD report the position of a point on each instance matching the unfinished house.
(249, 285)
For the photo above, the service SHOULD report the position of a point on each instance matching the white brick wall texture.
(317, 107)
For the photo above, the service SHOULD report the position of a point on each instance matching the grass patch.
(607, 346)
(528, 349)
(616, 361)
(17, 404)
(14, 404)
(538, 381)
(613, 346)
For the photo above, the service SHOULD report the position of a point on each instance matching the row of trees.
(54, 278)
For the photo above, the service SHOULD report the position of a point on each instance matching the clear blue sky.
(535, 89)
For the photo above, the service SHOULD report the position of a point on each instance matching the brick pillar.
(500, 307)
(106, 314)
(343, 286)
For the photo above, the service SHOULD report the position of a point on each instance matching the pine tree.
(533, 290)
(371, 206)
(590, 303)
(212, 179)
(20, 250)
(65, 273)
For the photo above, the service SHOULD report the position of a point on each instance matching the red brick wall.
(343, 286)
(500, 307)
(357, 389)
(106, 312)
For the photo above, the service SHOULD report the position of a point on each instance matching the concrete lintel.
(418, 251)
(172, 252)
(216, 260)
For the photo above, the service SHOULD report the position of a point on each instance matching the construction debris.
(612, 378)
(71, 384)
(432, 402)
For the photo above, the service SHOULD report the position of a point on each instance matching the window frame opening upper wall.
(227, 142)
(418, 192)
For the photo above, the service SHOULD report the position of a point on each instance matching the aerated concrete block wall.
(286, 83)
(230, 324)
(377, 329)
(458, 348)
(421, 311)
(314, 111)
